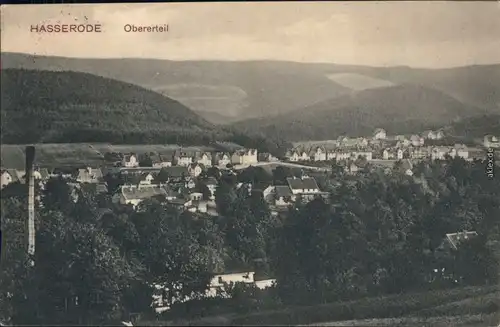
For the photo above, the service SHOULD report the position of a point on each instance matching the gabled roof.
(283, 191)
(194, 164)
(177, 171)
(15, 175)
(128, 156)
(302, 183)
(132, 179)
(44, 172)
(406, 165)
(207, 154)
(159, 158)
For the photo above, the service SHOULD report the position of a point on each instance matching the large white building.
(217, 287)
(244, 157)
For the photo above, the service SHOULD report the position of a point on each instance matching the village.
(188, 179)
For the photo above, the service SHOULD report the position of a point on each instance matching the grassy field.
(469, 306)
(78, 154)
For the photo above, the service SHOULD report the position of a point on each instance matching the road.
(281, 163)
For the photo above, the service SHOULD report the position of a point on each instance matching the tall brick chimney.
(30, 181)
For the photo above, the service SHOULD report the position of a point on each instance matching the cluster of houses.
(187, 158)
(381, 147)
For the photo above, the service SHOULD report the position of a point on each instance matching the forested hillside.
(251, 89)
(399, 109)
(43, 106)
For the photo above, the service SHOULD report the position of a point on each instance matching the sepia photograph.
(297, 163)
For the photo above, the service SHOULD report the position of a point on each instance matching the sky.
(416, 34)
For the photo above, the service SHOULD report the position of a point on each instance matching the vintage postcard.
(250, 163)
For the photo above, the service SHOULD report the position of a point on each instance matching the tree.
(213, 172)
(57, 194)
(163, 176)
(171, 253)
(113, 182)
(280, 174)
(145, 161)
(254, 175)
(224, 198)
(203, 189)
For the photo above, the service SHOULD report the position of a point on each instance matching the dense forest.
(70, 107)
(44, 107)
(378, 234)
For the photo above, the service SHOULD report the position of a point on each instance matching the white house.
(319, 154)
(133, 194)
(221, 159)
(379, 134)
(302, 185)
(217, 286)
(89, 175)
(265, 283)
(130, 161)
(146, 179)
(292, 156)
(433, 135)
(439, 152)
(160, 161)
(387, 154)
(330, 155)
(8, 176)
(283, 195)
(183, 159)
(417, 140)
(491, 141)
(244, 157)
(195, 169)
(419, 153)
(211, 184)
(205, 159)
(399, 154)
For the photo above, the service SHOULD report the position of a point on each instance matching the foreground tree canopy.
(96, 262)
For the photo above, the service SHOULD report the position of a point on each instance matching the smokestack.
(30, 179)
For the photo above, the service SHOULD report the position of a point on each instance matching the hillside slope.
(267, 87)
(43, 106)
(475, 127)
(399, 109)
(251, 89)
(235, 89)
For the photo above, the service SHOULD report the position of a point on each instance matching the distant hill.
(44, 107)
(224, 91)
(217, 118)
(475, 127)
(399, 109)
(238, 89)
